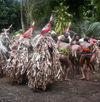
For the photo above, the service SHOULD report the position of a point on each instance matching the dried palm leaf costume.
(35, 59)
(4, 48)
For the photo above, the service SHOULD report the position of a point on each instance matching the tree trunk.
(27, 13)
(22, 22)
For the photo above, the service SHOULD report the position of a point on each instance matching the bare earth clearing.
(74, 91)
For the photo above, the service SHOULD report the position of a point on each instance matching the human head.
(66, 34)
(76, 37)
(86, 39)
(52, 23)
(55, 38)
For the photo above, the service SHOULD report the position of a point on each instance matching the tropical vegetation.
(84, 15)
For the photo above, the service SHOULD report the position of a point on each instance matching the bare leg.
(65, 59)
(92, 63)
(88, 67)
(83, 75)
(88, 70)
(92, 58)
(82, 60)
(93, 68)
(67, 72)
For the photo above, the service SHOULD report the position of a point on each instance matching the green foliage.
(75, 7)
(94, 30)
(28, 14)
(61, 18)
(97, 11)
(87, 28)
(66, 51)
(84, 14)
(36, 14)
(20, 31)
(3, 13)
(9, 14)
(39, 10)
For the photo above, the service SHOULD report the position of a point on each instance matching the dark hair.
(86, 39)
(76, 36)
(55, 38)
(66, 33)
(52, 23)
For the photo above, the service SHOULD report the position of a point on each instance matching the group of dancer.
(75, 52)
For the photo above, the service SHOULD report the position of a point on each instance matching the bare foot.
(87, 79)
(95, 80)
(93, 72)
(61, 79)
(67, 79)
(82, 78)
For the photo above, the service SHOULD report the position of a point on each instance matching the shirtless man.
(75, 39)
(64, 57)
(85, 55)
(93, 57)
(74, 57)
(65, 37)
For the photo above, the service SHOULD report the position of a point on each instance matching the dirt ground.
(74, 91)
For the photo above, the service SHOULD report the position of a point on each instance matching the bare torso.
(75, 48)
(85, 45)
(63, 45)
